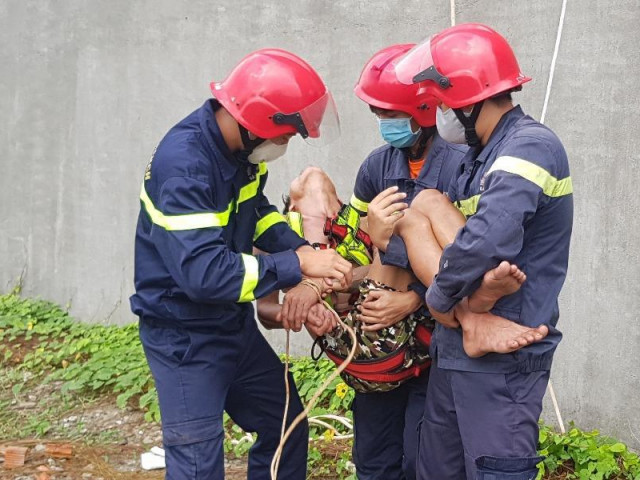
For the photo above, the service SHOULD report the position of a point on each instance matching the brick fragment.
(58, 450)
(14, 457)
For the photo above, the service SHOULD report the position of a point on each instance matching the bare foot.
(503, 280)
(484, 333)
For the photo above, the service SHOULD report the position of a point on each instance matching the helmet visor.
(417, 60)
(321, 121)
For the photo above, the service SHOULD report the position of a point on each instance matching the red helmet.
(463, 65)
(379, 87)
(272, 92)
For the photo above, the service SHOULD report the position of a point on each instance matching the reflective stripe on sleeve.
(267, 222)
(250, 280)
(468, 206)
(294, 219)
(549, 184)
(359, 204)
(187, 221)
(192, 221)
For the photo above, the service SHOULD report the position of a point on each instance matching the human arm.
(186, 227)
(273, 234)
(318, 319)
(268, 308)
(383, 308)
(515, 188)
(364, 189)
(359, 274)
(383, 213)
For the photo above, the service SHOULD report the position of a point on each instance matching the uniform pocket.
(520, 385)
(172, 345)
(194, 450)
(515, 468)
(179, 345)
(192, 431)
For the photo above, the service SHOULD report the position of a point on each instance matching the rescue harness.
(381, 372)
(344, 234)
(389, 369)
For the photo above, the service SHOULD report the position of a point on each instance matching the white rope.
(554, 400)
(287, 389)
(553, 61)
(452, 5)
(343, 420)
(320, 423)
(552, 70)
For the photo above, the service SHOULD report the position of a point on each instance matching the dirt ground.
(98, 462)
(106, 443)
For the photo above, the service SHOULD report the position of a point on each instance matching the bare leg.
(422, 246)
(430, 224)
(444, 223)
(503, 280)
(483, 333)
(394, 277)
(444, 217)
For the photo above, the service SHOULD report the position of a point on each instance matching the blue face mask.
(397, 132)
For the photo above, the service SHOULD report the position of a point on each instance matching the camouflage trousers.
(397, 339)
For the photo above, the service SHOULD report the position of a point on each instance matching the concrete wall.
(87, 89)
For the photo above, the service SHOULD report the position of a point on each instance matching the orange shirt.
(415, 167)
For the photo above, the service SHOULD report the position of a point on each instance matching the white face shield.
(417, 66)
(318, 123)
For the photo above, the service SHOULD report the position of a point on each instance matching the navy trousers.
(199, 374)
(385, 443)
(481, 426)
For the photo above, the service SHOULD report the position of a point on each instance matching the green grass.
(41, 345)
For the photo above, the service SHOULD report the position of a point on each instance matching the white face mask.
(449, 127)
(267, 151)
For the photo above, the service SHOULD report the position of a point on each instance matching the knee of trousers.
(194, 449)
(511, 468)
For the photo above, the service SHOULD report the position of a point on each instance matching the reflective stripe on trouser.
(385, 443)
(198, 375)
(481, 426)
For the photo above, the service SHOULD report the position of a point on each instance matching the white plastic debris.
(158, 451)
(153, 459)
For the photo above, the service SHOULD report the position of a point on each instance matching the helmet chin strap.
(427, 133)
(469, 123)
(247, 142)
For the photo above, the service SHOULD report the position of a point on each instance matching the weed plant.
(40, 342)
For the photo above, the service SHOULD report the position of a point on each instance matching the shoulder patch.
(147, 170)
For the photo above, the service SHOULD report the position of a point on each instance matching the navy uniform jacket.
(202, 210)
(387, 166)
(517, 197)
